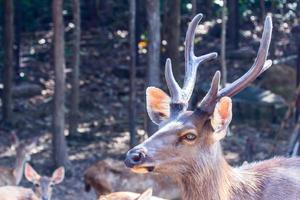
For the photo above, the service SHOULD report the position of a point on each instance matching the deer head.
(188, 136)
(43, 185)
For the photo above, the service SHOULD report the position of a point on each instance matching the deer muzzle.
(136, 159)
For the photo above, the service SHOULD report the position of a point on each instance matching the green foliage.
(35, 14)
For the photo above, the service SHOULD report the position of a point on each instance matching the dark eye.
(36, 185)
(189, 137)
(51, 185)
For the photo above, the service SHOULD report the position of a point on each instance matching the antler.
(181, 96)
(260, 65)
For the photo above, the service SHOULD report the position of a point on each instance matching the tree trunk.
(297, 105)
(59, 143)
(153, 72)
(172, 33)
(132, 101)
(208, 6)
(233, 23)
(194, 8)
(75, 63)
(18, 30)
(91, 6)
(223, 44)
(263, 10)
(140, 24)
(8, 60)
(298, 61)
(294, 139)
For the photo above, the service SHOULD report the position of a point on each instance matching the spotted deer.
(42, 190)
(187, 143)
(13, 176)
(146, 195)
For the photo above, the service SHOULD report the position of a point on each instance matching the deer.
(146, 195)
(187, 146)
(43, 186)
(13, 176)
(109, 175)
(16, 193)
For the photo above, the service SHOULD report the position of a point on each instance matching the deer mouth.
(138, 161)
(142, 169)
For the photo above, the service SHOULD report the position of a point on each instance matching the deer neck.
(19, 167)
(212, 178)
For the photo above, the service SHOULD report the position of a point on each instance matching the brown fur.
(13, 176)
(44, 189)
(16, 193)
(159, 102)
(130, 196)
(109, 175)
(162, 104)
(257, 181)
(43, 185)
(200, 169)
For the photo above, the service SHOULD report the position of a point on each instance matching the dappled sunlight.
(84, 128)
(8, 151)
(122, 33)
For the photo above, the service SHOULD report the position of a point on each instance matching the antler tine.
(267, 65)
(191, 61)
(259, 66)
(189, 39)
(181, 96)
(173, 86)
(208, 102)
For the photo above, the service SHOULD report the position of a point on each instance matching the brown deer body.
(187, 144)
(43, 186)
(13, 176)
(147, 195)
(109, 175)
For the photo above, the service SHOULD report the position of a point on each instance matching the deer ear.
(158, 104)
(30, 174)
(146, 195)
(58, 175)
(221, 117)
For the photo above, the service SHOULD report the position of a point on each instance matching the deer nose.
(134, 157)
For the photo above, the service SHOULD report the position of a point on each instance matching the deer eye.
(36, 185)
(189, 137)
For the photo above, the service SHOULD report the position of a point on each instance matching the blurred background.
(74, 73)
